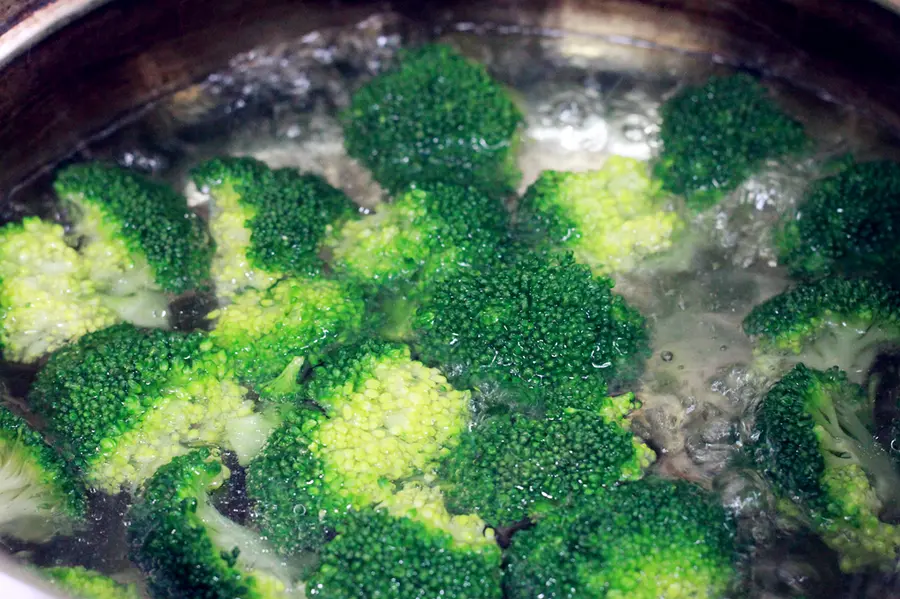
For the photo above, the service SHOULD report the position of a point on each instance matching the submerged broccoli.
(510, 467)
(412, 548)
(190, 550)
(539, 323)
(267, 223)
(716, 135)
(641, 540)
(849, 223)
(81, 583)
(436, 117)
(610, 218)
(384, 418)
(815, 446)
(137, 236)
(124, 401)
(47, 298)
(268, 335)
(831, 322)
(39, 494)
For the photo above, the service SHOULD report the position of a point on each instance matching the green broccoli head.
(381, 418)
(538, 323)
(413, 548)
(267, 223)
(268, 334)
(47, 298)
(830, 322)
(40, 495)
(610, 218)
(436, 117)
(815, 446)
(134, 232)
(510, 467)
(123, 401)
(716, 135)
(643, 540)
(87, 584)
(190, 550)
(848, 223)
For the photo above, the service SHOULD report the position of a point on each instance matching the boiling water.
(584, 99)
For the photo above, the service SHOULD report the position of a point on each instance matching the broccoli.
(531, 324)
(267, 223)
(610, 218)
(46, 296)
(269, 334)
(849, 223)
(137, 236)
(830, 322)
(510, 466)
(123, 401)
(436, 117)
(39, 494)
(409, 548)
(381, 418)
(643, 540)
(190, 550)
(715, 136)
(814, 444)
(87, 584)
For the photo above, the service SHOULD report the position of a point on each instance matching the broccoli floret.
(610, 218)
(642, 540)
(382, 417)
(136, 234)
(267, 223)
(46, 296)
(81, 583)
(269, 334)
(716, 135)
(814, 444)
(190, 550)
(510, 467)
(830, 322)
(436, 117)
(123, 401)
(849, 223)
(39, 494)
(538, 323)
(413, 548)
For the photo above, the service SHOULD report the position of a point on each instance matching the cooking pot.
(70, 68)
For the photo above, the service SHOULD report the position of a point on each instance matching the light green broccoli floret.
(81, 583)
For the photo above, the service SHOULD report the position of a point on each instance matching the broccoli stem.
(285, 383)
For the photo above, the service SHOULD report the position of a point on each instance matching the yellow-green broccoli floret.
(40, 495)
(123, 401)
(47, 298)
(82, 583)
(610, 218)
(381, 418)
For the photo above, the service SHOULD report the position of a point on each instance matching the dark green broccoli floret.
(38, 492)
(610, 218)
(123, 401)
(831, 322)
(191, 551)
(266, 223)
(511, 466)
(436, 117)
(81, 583)
(411, 549)
(382, 418)
(849, 223)
(716, 135)
(816, 447)
(126, 223)
(641, 540)
(538, 323)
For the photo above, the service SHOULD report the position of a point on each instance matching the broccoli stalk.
(87, 584)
